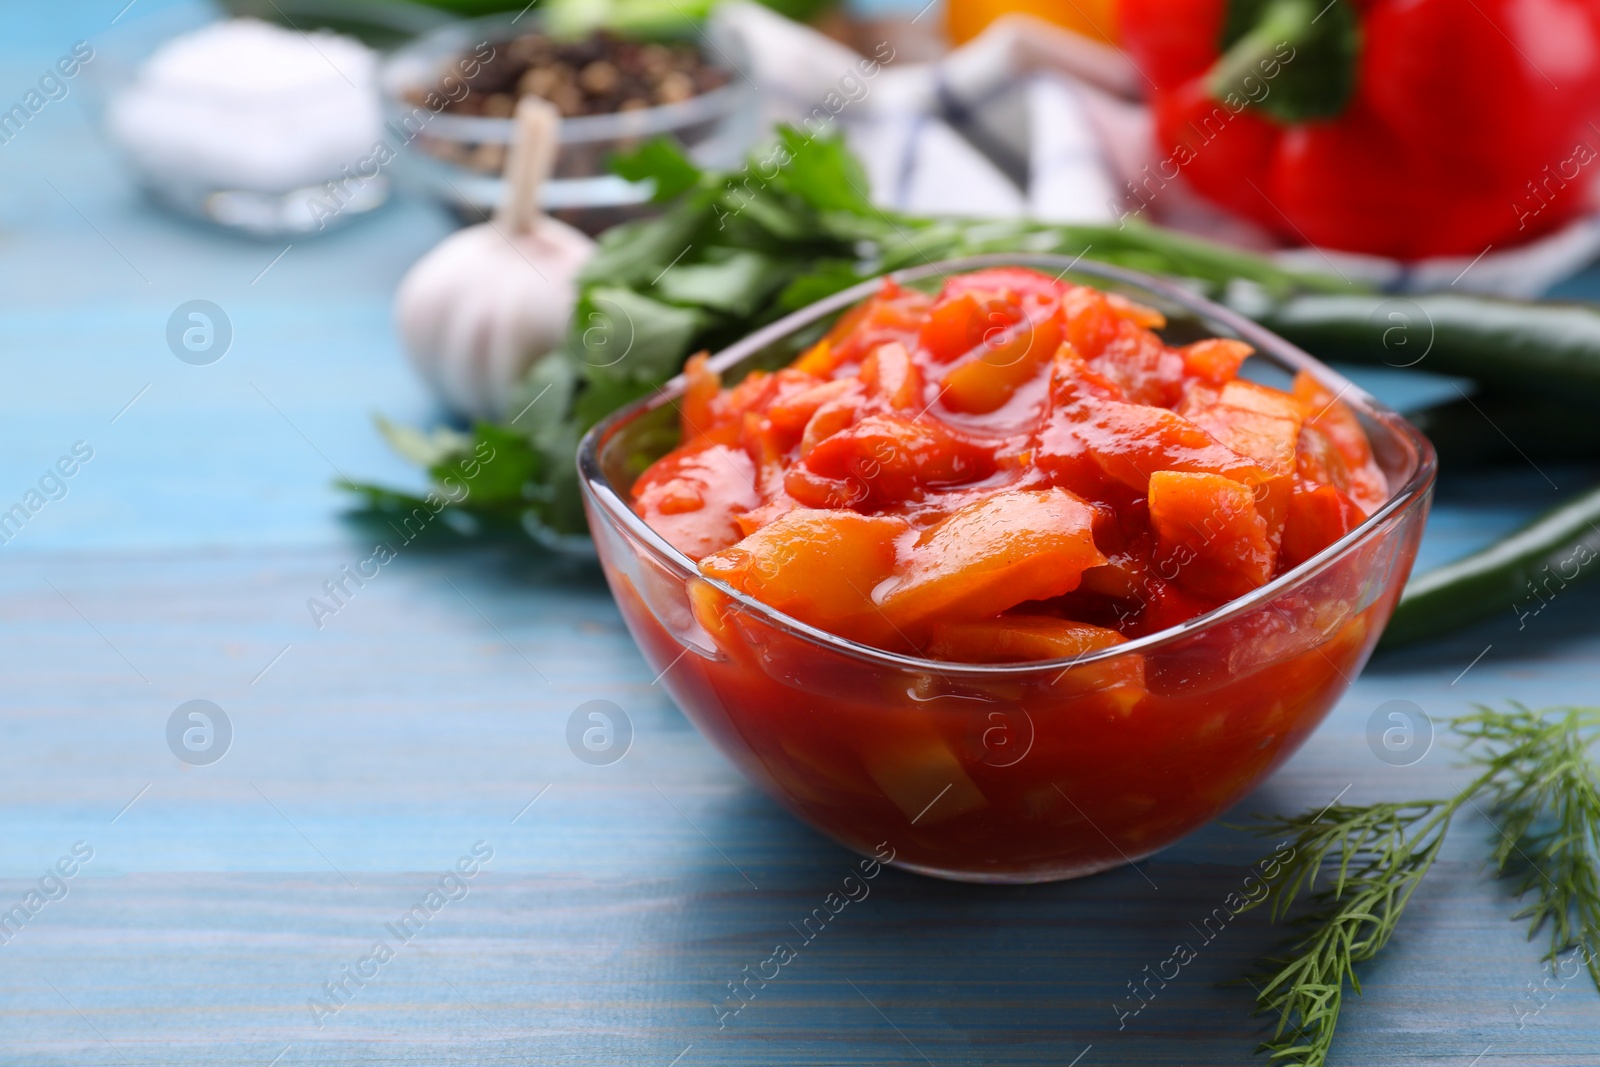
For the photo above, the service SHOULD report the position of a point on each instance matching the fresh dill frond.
(1543, 796)
(1371, 859)
(1536, 782)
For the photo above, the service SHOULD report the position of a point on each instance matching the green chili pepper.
(1506, 345)
(1520, 573)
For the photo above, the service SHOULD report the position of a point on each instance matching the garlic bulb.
(490, 301)
(484, 306)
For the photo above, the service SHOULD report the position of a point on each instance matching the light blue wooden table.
(427, 719)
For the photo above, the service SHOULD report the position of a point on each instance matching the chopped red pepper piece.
(1072, 481)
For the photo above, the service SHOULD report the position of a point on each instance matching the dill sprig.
(1537, 784)
(1372, 859)
(1543, 795)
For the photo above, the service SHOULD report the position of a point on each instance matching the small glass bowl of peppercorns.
(449, 97)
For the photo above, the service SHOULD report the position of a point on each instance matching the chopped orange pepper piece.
(818, 566)
(1070, 460)
(1328, 414)
(1209, 533)
(1011, 547)
(986, 379)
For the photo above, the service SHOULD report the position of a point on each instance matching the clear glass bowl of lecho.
(1013, 584)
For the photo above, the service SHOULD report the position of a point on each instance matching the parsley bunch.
(729, 253)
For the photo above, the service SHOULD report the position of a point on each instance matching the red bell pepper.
(1406, 128)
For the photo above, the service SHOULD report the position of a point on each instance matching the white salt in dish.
(256, 126)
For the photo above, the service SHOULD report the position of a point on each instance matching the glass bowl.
(266, 203)
(459, 158)
(1013, 772)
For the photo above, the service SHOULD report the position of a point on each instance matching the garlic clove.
(478, 311)
(481, 309)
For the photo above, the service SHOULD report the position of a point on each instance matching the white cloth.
(921, 166)
(1030, 119)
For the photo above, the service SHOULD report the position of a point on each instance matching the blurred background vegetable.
(1514, 347)
(1345, 127)
(1094, 19)
(728, 255)
(1521, 571)
(731, 252)
(1258, 105)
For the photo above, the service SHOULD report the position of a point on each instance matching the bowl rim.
(395, 74)
(1414, 491)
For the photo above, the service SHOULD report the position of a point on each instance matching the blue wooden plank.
(371, 753)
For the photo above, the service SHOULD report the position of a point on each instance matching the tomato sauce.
(1000, 486)
(1015, 469)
